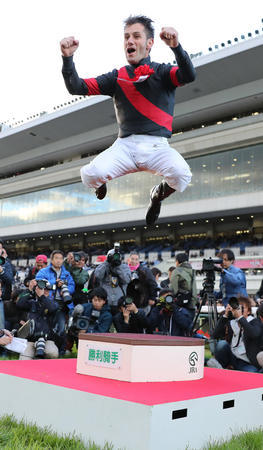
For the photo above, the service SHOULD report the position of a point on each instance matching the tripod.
(207, 298)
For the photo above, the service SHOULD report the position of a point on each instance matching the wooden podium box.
(140, 357)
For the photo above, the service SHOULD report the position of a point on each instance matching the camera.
(166, 302)
(126, 301)
(66, 296)
(43, 284)
(209, 265)
(233, 302)
(76, 256)
(40, 346)
(114, 255)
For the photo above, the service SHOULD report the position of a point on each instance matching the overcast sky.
(30, 75)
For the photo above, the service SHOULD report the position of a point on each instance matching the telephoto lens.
(40, 345)
(65, 293)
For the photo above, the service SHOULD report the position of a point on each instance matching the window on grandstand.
(216, 175)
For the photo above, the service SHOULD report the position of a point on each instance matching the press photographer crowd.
(57, 300)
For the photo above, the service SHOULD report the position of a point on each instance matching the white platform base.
(128, 425)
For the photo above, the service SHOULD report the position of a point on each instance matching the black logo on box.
(193, 359)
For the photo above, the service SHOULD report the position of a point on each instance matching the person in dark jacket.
(14, 316)
(6, 277)
(142, 286)
(166, 283)
(143, 93)
(240, 336)
(129, 319)
(97, 312)
(169, 318)
(260, 353)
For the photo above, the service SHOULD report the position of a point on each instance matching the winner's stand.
(141, 415)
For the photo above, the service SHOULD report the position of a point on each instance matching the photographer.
(260, 353)
(74, 264)
(232, 280)
(142, 287)
(169, 317)
(62, 288)
(94, 317)
(41, 263)
(2, 311)
(6, 274)
(183, 283)
(113, 276)
(129, 319)
(14, 317)
(41, 310)
(241, 334)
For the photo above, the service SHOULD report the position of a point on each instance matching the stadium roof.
(229, 82)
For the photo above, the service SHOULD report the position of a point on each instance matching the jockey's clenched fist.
(69, 45)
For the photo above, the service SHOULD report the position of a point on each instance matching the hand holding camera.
(5, 337)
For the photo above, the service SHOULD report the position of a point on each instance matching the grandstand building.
(218, 128)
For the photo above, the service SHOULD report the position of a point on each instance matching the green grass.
(249, 440)
(18, 435)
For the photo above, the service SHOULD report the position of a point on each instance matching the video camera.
(114, 255)
(78, 322)
(209, 265)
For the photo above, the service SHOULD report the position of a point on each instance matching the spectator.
(41, 310)
(168, 317)
(232, 280)
(259, 294)
(6, 275)
(14, 316)
(165, 283)
(62, 287)
(129, 319)
(75, 264)
(40, 263)
(157, 274)
(240, 335)
(260, 353)
(97, 312)
(183, 283)
(142, 286)
(2, 311)
(113, 276)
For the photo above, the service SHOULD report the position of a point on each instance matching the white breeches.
(138, 153)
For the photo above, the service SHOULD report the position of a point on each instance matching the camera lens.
(169, 299)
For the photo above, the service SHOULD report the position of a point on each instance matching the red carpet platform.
(168, 415)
